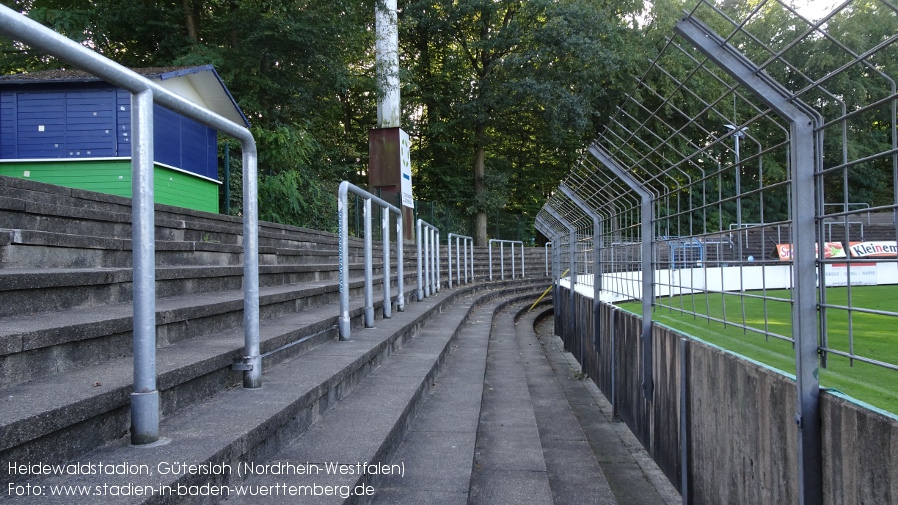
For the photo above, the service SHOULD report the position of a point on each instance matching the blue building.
(70, 128)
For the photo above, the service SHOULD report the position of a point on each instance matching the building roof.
(201, 85)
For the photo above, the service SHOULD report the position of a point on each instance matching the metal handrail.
(144, 92)
(428, 259)
(502, 257)
(550, 243)
(342, 204)
(458, 240)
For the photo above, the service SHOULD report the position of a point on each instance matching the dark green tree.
(503, 95)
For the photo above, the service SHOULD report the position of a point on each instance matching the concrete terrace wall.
(741, 438)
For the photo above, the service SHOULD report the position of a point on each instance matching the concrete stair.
(65, 331)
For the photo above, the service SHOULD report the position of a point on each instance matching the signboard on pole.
(405, 165)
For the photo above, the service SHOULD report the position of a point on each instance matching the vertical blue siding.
(7, 125)
(184, 143)
(123, 122)
(91, 121)
(90, 124)
(41, 125)
(167, 136)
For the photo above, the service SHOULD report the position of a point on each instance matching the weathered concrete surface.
(860, 454)
(741, 438)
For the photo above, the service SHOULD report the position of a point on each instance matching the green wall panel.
(113, 177)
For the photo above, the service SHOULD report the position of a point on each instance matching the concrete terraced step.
(33, 291)
(35, 346)
(252, 425)
(438, 451)
(27, 248)
(88, 406)
(368, 426)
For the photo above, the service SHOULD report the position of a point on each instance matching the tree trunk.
(190, 21)
(480, 237)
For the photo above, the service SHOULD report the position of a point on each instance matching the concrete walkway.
(509, 420)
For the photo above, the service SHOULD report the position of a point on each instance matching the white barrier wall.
(622, 286)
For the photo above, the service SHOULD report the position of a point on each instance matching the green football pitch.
(875, 336)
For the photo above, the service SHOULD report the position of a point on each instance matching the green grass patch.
(874, 336)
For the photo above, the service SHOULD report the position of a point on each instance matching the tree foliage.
(504, 94)
(500, 96)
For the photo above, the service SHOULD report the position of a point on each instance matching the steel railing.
(428, 240)
(144, 93)
(502, 257)
(344, 323)
(461, 251)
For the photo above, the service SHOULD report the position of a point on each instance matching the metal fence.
(746, 192)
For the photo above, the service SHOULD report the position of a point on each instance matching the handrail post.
(467, 264)
(343, 322)
(369, 291)
(472, 259)
(502, 260)
(457, 258)
(513, 271)
(400, 268)
(385, 236)
(449, 258)
(436, 260)
(491, 259)
(145, 397)
(418, 240)
(427, 263)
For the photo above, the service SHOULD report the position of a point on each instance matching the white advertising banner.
(405, 163)
(862, 274)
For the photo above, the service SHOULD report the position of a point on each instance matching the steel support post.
(572, 270)
(513, 271)
(427, 237)
(252, 378)
(436, 260)
(145, 398)
(491, 259)
(385, 236)
(369, 274)
(803, 130)
(344, 323)
(597, 261)
(550, 233)
(648, 275)
(502, 260)
(471, 243)
(400, 257)
(449, 258)
(418, 243)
